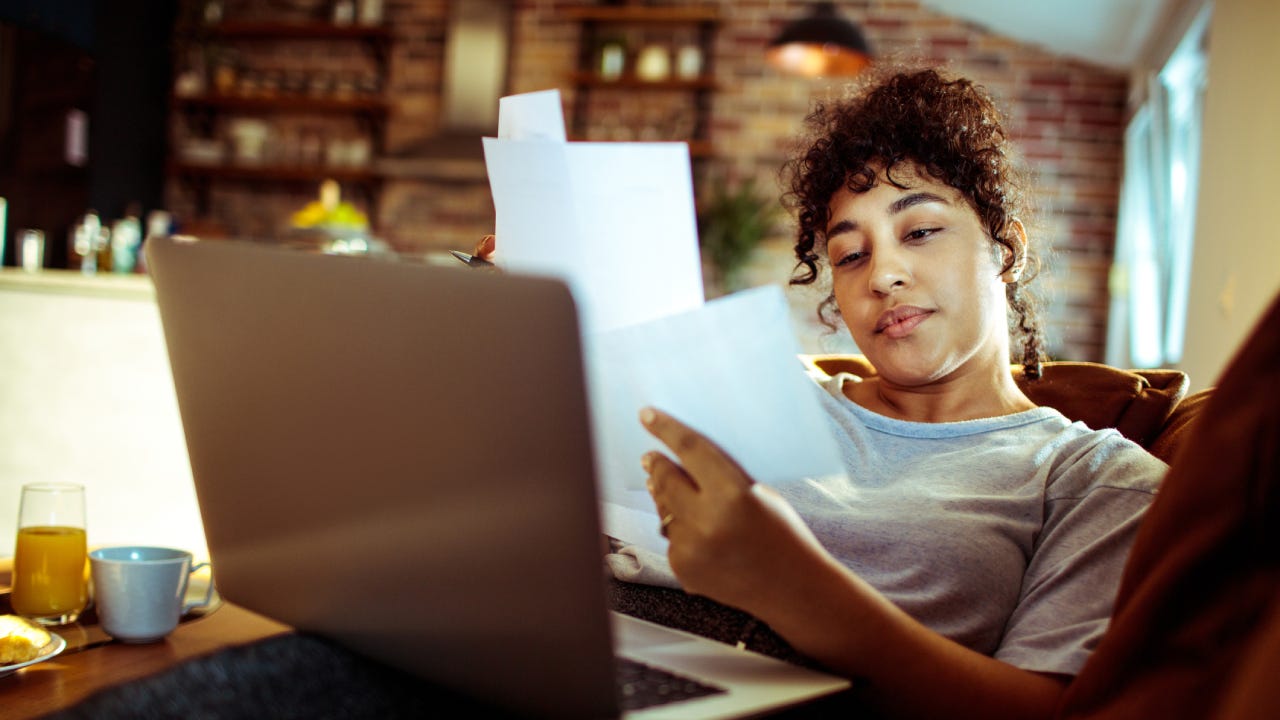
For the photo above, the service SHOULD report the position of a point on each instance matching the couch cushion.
(1137, 403)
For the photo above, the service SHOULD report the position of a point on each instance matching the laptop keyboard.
(641, 686)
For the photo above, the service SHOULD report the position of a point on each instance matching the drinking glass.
(30, 250)
(50, 579)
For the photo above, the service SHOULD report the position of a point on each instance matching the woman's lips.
(901, 321)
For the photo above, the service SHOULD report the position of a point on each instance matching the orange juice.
(49, 581)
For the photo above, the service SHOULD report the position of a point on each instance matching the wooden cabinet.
(266, 104)
(645, 73)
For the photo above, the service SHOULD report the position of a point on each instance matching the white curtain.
(1154, 234)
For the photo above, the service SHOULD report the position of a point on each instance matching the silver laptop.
(398, 457)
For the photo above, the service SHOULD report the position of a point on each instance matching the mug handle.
(208, 592)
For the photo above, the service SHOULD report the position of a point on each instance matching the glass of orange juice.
(50, 585)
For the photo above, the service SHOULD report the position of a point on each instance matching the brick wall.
(1065, 115)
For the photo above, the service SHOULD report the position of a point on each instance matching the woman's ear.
(1016, 235)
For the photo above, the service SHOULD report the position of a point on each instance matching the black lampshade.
(820, 44)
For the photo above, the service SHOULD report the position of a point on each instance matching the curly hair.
(951, 130)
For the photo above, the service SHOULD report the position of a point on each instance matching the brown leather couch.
(1150, 407)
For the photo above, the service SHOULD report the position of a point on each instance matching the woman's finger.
(674, 492)
(668, 483)
(702, 458)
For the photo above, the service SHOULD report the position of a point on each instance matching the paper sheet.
(729, 370)
(531, 116)
(616, 221)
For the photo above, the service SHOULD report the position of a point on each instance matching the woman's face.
(917, 280)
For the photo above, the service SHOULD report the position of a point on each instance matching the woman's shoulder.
(1084, 459)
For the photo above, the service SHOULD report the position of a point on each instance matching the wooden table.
(93, 661)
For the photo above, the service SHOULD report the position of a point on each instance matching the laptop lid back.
(396, 456)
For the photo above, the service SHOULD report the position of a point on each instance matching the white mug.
(140, 591)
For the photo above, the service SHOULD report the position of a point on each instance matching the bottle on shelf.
(84, 243)
(370, 12)
(344, 12)
(126, 238)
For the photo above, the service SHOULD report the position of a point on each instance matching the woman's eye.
(921, 233)
(850, 258)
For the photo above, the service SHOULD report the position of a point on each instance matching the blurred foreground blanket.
(1196, 630)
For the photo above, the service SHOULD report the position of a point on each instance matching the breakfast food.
(20, 640)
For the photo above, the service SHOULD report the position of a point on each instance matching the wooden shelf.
(600, 22)
(270, 173)
(631, 82)
(641, 14)
(298, 31)
(201, 114)
(284, 104)
(697, 148)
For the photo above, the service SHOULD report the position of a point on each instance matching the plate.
(51, 649)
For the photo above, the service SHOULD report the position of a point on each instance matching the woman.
(966, 565)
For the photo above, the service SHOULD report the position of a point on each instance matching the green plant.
(731, 225)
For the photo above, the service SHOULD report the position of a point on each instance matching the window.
(1154, 234)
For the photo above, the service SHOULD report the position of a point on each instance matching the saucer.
(51, 649)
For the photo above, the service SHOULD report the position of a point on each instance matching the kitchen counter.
(86, 396)
(74, 282)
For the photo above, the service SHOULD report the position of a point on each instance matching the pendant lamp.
(820, 44)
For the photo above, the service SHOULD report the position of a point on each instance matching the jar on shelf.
(370, 12)
(359, 152)
(212, 12)
(225, 77)
(367, 84)
(613, 59)
(344, 12)
(653, 63)
(248, 83)
(192, 79)
(249, 138)
(271, 83)
(689, 62)
(344, 86)
(320, 84)
(224, 70)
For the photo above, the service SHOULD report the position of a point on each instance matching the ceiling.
(1113, 33)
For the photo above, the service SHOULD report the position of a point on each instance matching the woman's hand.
(732, 539)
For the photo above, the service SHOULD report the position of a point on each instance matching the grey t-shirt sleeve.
(1098, 492)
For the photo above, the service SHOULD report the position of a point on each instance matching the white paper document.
(531, 116)
(616, 222)
(730, 371)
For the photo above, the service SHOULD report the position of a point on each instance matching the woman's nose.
(889, 272)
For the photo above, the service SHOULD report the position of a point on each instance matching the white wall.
(1236, 262)
(86, 396)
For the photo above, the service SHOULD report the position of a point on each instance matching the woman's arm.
(739, 543)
